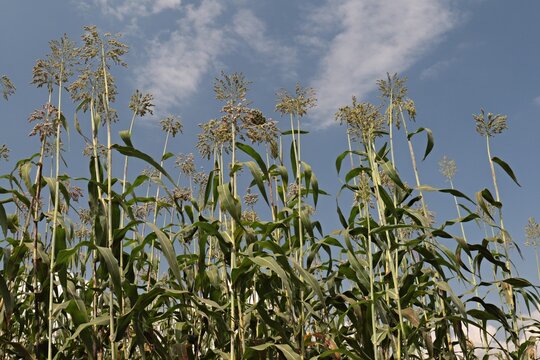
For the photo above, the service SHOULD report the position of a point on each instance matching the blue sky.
(458, 56)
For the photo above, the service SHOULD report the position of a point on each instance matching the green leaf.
(389, 170)
(228, 203)
(506, 168)
(518, 282)
(311, 281)
(289, 353)
(132, 152)
(25, 174)
(112, 267)
(168, 251)
(339, 160)
(430, 141)
(3, 220)
(315, 187)
(258, 178)
(208, 188)
(6, 296)
(125, 135)
(100, 320)
(258, 159)
(273, 265)
(262, 346)
(486, 194)
(78, 126)
(296, 131)
(166, 156)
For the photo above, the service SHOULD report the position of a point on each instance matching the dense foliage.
(232, 263)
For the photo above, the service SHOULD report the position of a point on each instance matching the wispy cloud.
(536, 100)
(373, 37)
(433, 71)
(252, 30)
(176, 65)
(122, 9)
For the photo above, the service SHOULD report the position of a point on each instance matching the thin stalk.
(474, 281)
(97, 349)
(390, 263)
(413, 160)
(55, 217)
(154, 220)
(512, 304)
(371, 281)
(122, 275)
(109, 202)
(36, 206)
(233, 251)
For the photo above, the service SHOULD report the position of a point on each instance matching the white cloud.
(135, 8)
(176, 65)
(252, 30)
(536, 100)
(373, 37)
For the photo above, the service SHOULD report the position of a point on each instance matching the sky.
(458, 57)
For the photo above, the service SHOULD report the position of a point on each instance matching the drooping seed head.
(6, 87)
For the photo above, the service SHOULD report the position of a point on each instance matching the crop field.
(144, 257)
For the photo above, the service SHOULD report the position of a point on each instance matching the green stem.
(55, 218)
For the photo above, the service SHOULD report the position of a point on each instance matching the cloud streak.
(121, 9)
(373, 37)
(252, 30)
(176, 65)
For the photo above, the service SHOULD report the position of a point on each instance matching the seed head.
(200, 178)
(364, 121)
(250, 216)
(6, 87)
(151, 173)
(298, 104)
(141, 211)
(532, 232)
(82, 232)
(141, 103)
(171, 125)
(393, 91)
(4, 152)
(447, 167)
(258, 128)
(85, 215)
(250, 199)
(490, 126)
(232, 88)
(186, 164)
(181, 194)
(89, 150)
(47, 117)
(215, 133)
